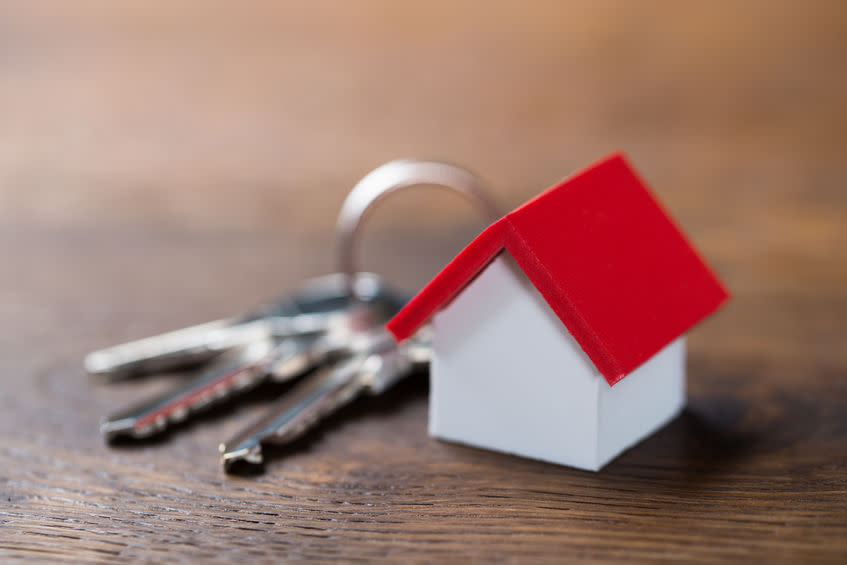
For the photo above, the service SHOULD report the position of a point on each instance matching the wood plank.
(164, 165)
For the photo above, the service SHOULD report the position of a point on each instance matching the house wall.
(642, 402)
(506, 374)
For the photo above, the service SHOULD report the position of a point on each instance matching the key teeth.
(240, 457)
(113, 430)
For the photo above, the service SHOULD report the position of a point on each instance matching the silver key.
(239, 368)
(289, 338)
(311, 309)
(377, 364)
(244, 367)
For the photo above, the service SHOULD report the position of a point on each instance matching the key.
(311, 309)
(377, 364)
(245, 367)
(335, 321)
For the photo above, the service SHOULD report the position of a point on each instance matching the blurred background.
(162, 163)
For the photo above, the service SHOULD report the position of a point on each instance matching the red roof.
(604, 255)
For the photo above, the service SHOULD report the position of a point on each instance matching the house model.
(558, 332)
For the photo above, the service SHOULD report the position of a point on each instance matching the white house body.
(524, 385)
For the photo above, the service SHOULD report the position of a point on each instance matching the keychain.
(556, 334)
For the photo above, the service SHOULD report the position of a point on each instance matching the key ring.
(392, 177)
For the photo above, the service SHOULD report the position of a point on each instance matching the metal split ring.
(390, 178)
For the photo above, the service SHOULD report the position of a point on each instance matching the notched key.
(236, 370)
(249, 365)
(378, 363)
(311, 309)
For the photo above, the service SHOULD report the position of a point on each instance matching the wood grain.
(164, 164)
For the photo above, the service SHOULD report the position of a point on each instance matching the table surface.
(161, 165)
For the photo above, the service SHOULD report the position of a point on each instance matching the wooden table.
(162, 165)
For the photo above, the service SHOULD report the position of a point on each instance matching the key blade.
(313, 398)
(173, 350)
(234, 371)
(247, 366)
(311, 309)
